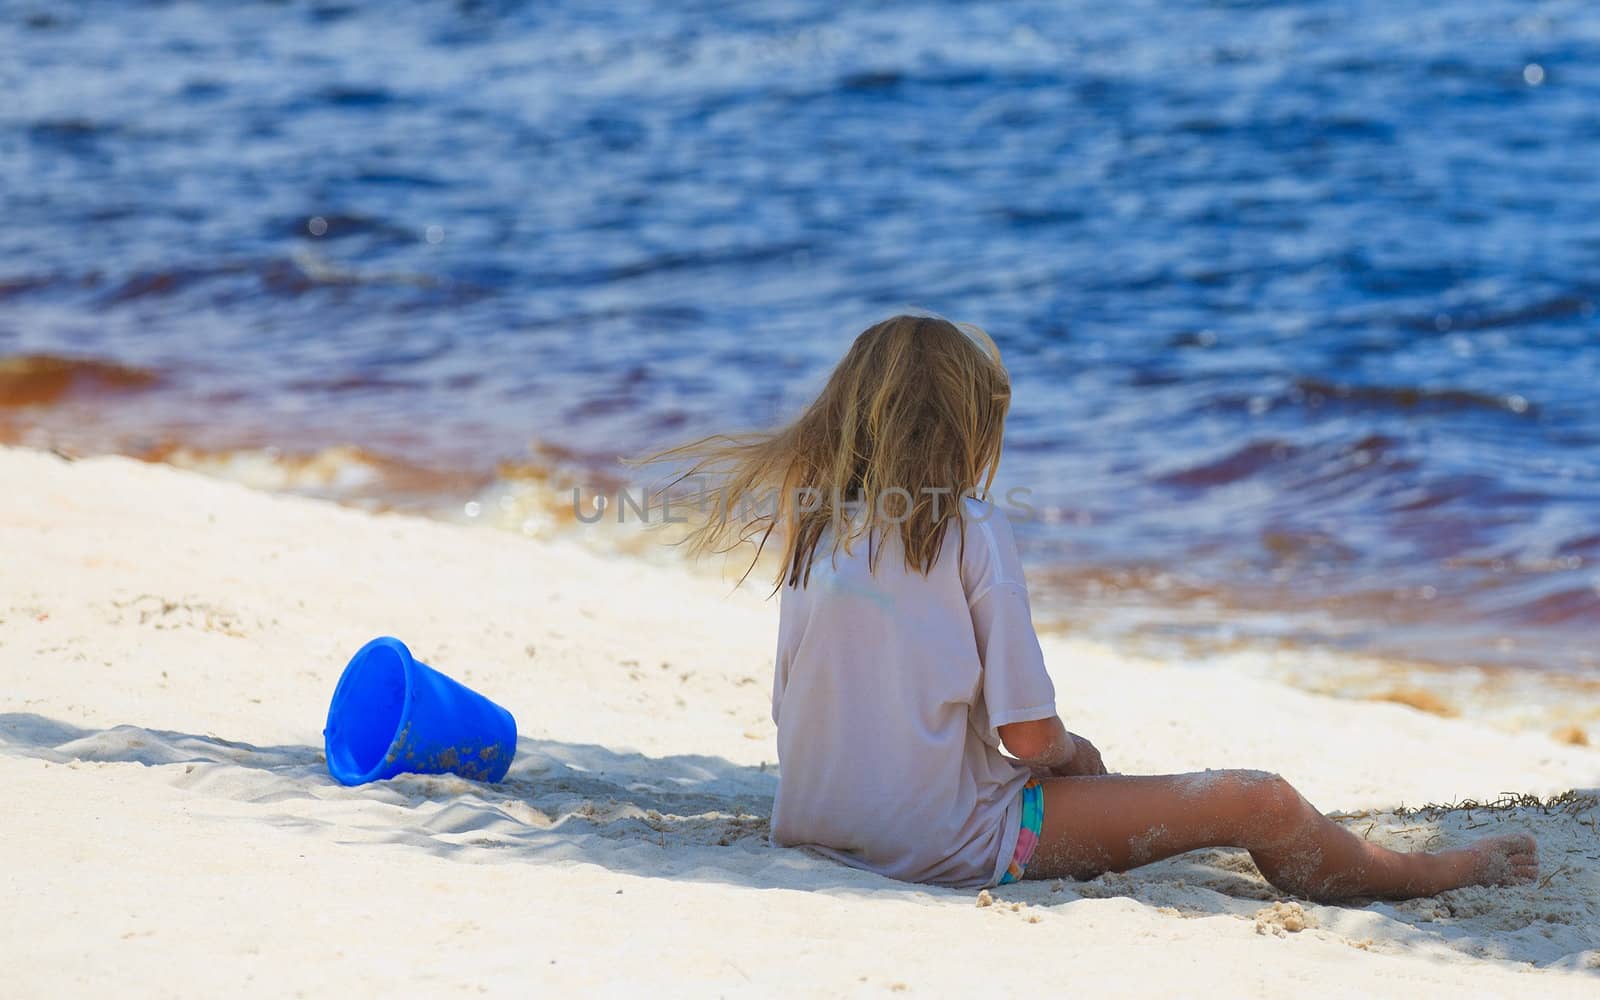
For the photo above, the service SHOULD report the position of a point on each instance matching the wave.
(1525, 615)
(24, 284)
(1554, 308)
(70, 133)
(48, 379)
(1311, 465)
(1237, 465)
(171, 281)
(302, 270)
(1315, 392)
(343, 472)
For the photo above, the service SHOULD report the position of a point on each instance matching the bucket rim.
(408, 668)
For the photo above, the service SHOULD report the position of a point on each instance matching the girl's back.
(888, 689)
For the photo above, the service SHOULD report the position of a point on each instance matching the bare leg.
(1115, 822)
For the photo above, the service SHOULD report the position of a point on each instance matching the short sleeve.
(1016, 686)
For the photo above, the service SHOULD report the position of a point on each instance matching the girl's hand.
(1085, 760)
(1046, 748)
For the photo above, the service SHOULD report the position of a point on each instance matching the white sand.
(169, 643)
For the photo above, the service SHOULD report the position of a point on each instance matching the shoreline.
(527, 498)
(172, 641)
(1109, 604)
(1428, 587)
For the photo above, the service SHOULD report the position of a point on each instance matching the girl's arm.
(1046, 744)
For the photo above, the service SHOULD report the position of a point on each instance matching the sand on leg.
(1116, 822)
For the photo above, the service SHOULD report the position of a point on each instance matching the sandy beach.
(169, 643)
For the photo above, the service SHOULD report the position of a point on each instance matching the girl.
(907, 660)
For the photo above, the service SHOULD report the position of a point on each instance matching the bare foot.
(1506, 860)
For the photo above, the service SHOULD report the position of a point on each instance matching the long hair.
(909, 423)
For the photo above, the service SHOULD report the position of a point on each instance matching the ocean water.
(1300, 299)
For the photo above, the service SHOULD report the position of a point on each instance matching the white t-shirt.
(888, 691)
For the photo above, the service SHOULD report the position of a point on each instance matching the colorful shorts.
(1028, 836)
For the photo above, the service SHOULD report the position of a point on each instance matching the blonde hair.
(916, 409)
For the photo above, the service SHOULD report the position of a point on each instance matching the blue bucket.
(392, 714)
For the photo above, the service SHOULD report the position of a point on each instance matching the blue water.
(1299, 298)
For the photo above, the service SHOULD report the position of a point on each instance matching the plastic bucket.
(392, 714)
